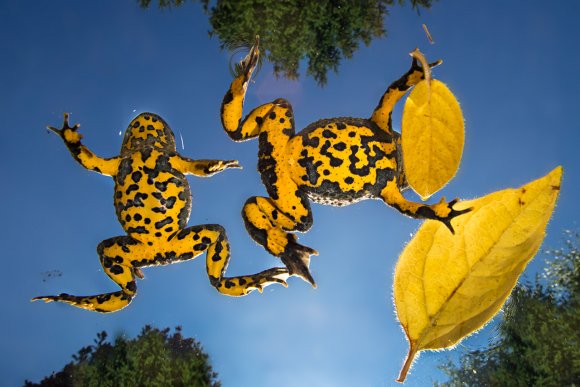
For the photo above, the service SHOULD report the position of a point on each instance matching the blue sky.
(513, 66)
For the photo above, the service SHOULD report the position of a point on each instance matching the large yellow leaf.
(447, 286)
(432, 137)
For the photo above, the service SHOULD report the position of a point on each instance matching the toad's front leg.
(82, 154)
(442, 211)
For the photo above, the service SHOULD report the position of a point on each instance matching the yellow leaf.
(432, 137)
(447, 286)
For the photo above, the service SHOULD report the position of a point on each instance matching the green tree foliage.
(538, 343)
(154, 358)
(323, 32)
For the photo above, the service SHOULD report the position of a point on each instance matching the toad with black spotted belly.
(334, 161)
(153, 203)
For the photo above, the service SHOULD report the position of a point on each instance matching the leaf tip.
(557, 172)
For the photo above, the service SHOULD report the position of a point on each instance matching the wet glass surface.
(512, 68)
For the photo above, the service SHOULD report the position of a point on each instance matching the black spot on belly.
(307, 162)
(364, 170)
(163, 222)
(170, 202)
(161, 186)
(137, 230)
(339, 146)
(176, 181)
(349, 180)
(131, 188)
(328, 134)
(310, 142)
(137, 202)
(124, 169)
(136, 124)
(340, 125)
(136, 176)
(146, 153)
(334, 161)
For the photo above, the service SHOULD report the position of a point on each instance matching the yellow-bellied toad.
(153, 203)
(334, 161)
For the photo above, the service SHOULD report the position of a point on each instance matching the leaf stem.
(418, 55)
(407, 364)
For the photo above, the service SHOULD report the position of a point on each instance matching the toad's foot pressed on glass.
(153, 203)
(336, 161)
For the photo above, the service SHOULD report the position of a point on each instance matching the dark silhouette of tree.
(538, 343)
(154, 358)
(323, 32)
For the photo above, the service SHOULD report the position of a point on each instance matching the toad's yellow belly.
(343, 160)
(152, 199)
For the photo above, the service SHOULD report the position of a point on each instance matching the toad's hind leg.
(382, 113)
(122, 258)
(116, 255)
(194, 240)
(268, 224)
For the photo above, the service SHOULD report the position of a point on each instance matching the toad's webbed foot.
(102, 303)
(247, 65)
(296, 257)
(220, 165)
(452, 213)
(276, 275)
